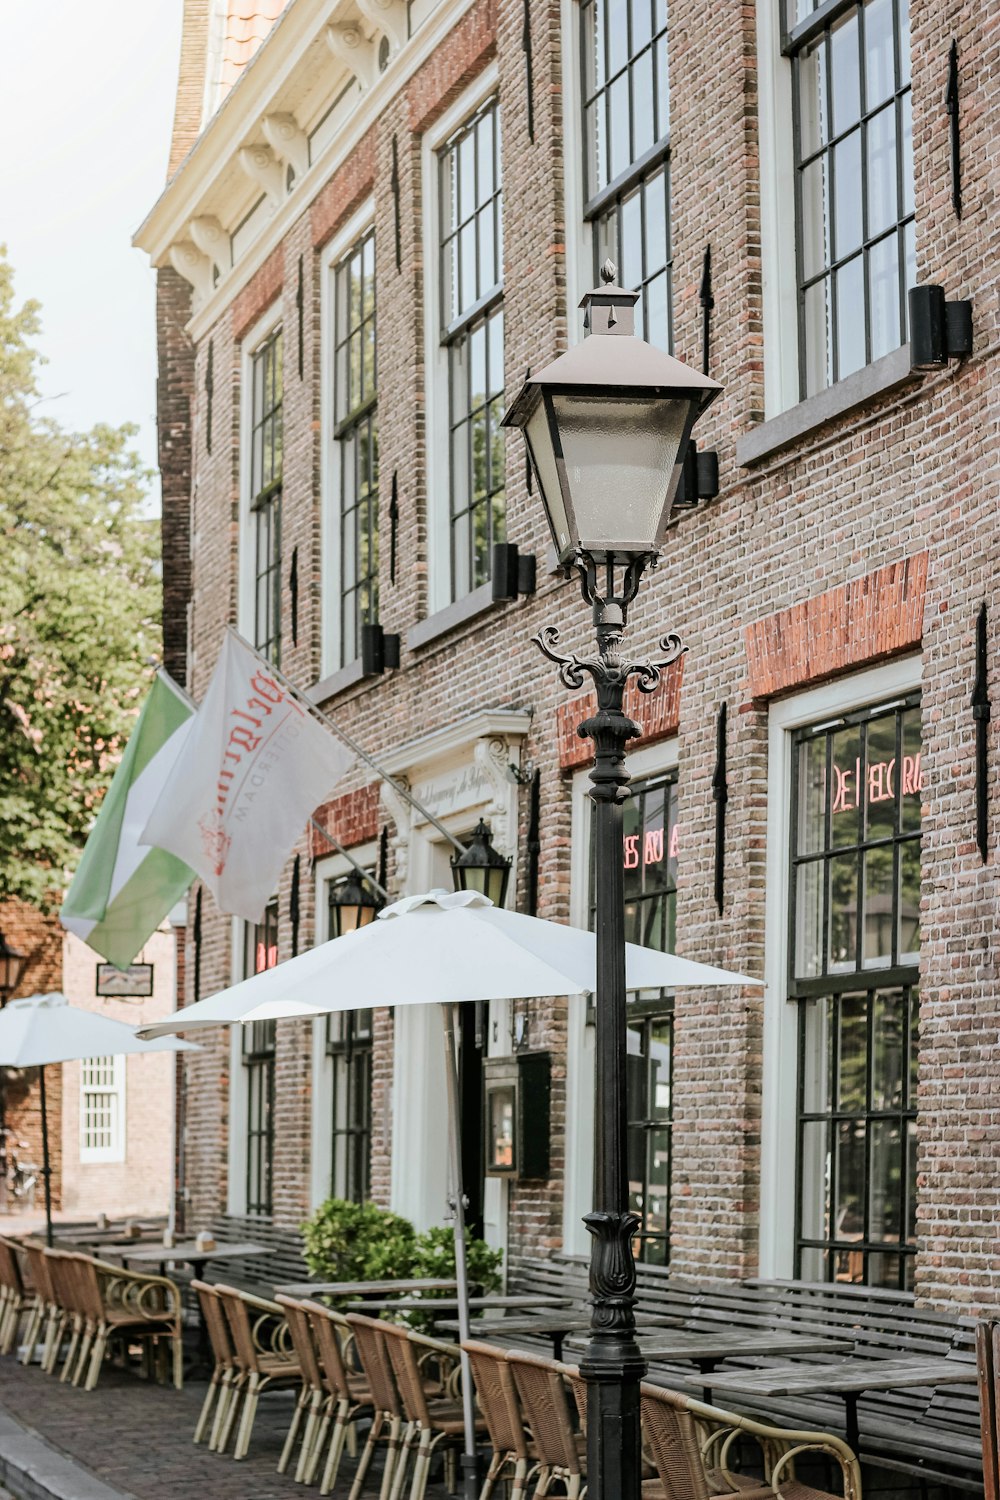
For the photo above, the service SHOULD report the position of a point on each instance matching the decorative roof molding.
(260, 164)
(288, 141)
(213, 241)
(358, 54)
(389, 16)
(196, 268)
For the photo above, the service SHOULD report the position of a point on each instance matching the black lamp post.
(606, 427)
(481, 868)
(353, 904)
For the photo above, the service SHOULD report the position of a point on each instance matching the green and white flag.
(122, 890)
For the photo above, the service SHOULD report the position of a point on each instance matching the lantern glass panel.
(619, 455)
(539, 439)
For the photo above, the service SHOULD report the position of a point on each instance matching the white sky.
(86, 107)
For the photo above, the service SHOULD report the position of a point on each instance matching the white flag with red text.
(254, 766)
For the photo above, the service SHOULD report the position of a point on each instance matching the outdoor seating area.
(754, 1387)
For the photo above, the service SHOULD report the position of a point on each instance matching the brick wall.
(40, 938)
(874, 533)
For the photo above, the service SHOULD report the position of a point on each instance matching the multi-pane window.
(349, 1046)
(356, 432)
(258, 1063)
(650, 859)
(471, 300)
(853, 134)
(854, 973)
(102, 1109)
(626, 124)
(265, 494)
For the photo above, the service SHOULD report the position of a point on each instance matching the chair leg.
(32, 1332)
(226, 1397)
(520, 1484)
(232, 1409)
(492, 1473)
(309, 1436)
(54, 1340)
(336, 1449)
(422, 1464)
(319, 1441)
(395, 1489)
(206, 1406)
(97, 1358)
(71, 1352)
(378, 1422)
(178, 1350)
(293, 1429)
(249, 1416)
(90, 1332)
(573, 1486)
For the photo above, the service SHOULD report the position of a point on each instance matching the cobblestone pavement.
(137, 1437)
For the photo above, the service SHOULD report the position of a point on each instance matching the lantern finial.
(609, 272)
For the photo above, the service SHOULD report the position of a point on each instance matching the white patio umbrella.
(444, 947)
(44, 1029)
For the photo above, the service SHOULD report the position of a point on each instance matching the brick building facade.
(841, 1122)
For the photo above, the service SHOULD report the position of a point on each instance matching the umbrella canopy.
(444, 947)
(46, 1029)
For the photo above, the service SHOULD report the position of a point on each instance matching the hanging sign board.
(133, 983)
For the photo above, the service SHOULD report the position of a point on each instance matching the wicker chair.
(432, 1421)
(498, 1403)
(541, 1390)
(351, 1397)
(126, 1307)
(16, 1298)
(314, 1398)
(387, 1409)
(46, 1313)
(691, 1444)
(221, 1386)
(259, 1334)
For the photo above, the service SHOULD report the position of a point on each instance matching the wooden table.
(191, 1254)
(555, 1326)
(849, 1378)
(365, 1289)
(452, 1304)
(707, 1348)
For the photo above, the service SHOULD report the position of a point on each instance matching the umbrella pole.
(470, 1484)
(46, 1169)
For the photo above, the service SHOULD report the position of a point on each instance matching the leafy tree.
(79, 616)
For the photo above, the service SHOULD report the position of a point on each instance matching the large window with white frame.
(471, 246)
(350, 1039)
(854, 193)
(356, 438)
(853, 973)
(649, 856)
(258, 1063)
(265, 492)
(626, 131)
(102, 1109)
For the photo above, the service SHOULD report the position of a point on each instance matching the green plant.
(434, 1256)
(357, 1242)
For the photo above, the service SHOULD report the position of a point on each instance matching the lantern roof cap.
(612, 360)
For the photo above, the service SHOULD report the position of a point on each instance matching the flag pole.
(338, 847)
(397, 786)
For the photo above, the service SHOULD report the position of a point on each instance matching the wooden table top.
(697, 1345)
(544, 1323)
(189, 1251)
(451, 1304)
(364, 1288)
(848, 1377)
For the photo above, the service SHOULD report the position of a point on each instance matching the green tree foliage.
(79, 616)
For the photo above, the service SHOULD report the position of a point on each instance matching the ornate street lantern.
(353, 904)
(481, 868)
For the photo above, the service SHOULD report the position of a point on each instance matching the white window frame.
(115, 1091)
(436, 465)
(330, 486)
(328, 872)
(578, 1192)
(250, 346)
(780, 1073)
(777, 213)
(579, 232)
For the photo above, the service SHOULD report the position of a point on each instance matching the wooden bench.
(930, 1434)
(283, 1262)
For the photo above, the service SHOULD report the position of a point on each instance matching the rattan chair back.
(409, 1378)
(87, 1287)
(38, 1267)
(216, 1324)
(671, 1437)
(369, 1340)
(10, 1269)
(61, 1277)
(498, 1401)
(240, 1328)
(543, 1400)
(326, 1326)
(303, 1343)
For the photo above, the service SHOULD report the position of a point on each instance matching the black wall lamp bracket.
(512, 574)
(699, 478)
(939, 330)
(379, 651)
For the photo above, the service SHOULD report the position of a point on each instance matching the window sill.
(886, 374)
(337, 682)
(451, 617)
